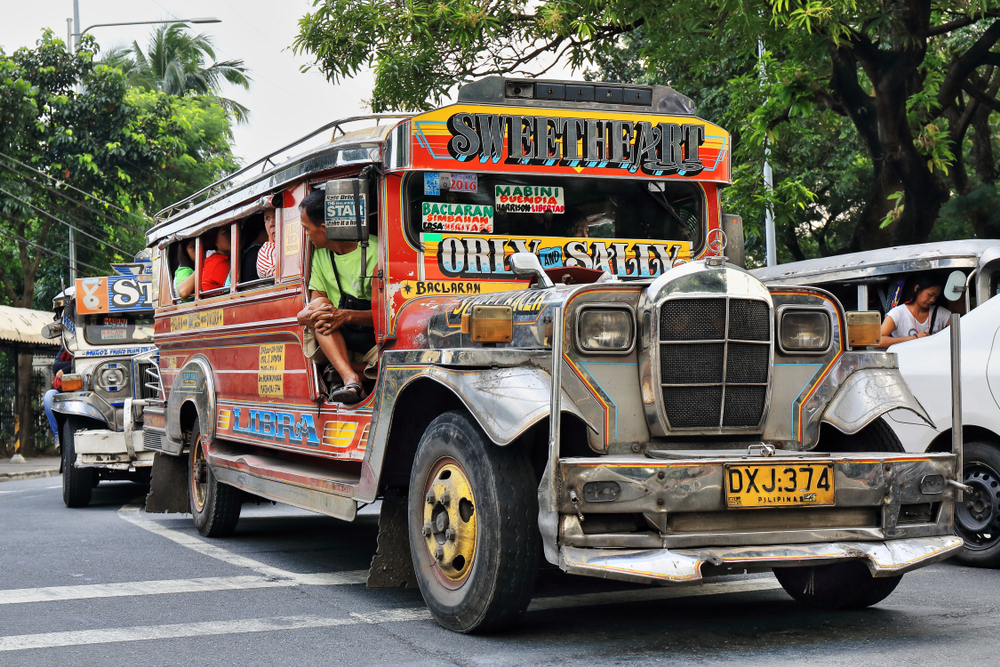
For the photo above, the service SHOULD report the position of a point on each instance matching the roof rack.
(209, 190)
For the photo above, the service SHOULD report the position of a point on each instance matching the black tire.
(486, 572)
(77, 483)
(214, 506)
(847, 585)
(876, 437)
(977, 517)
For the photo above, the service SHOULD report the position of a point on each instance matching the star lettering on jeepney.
(406, 289)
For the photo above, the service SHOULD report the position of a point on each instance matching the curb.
(27, 474)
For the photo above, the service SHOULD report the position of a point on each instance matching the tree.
(97, 160)
(912, 77)
(174, 63)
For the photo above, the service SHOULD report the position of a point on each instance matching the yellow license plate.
(779, 485)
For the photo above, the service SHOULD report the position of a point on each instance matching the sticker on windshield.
(529, 199)
(432, 184)
(442, 217)
(461, 182)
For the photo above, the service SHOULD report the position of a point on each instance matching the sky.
(285, 103)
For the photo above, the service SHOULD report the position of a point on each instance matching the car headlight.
(804, 331)
(112, 377)
(605, 330)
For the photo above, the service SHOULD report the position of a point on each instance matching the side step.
(308, 486)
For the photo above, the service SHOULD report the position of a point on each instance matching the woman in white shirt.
(918, 316)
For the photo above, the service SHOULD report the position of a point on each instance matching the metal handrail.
(335, 125)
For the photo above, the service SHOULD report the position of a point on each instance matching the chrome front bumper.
(664, 566)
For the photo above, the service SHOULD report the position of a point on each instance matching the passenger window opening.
(254, 239)
(216, 265)
(182, 257)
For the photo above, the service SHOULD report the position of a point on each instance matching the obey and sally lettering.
(660, 149)
(478, 257)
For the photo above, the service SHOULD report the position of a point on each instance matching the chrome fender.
(506, 402)
(195, 384)
(867, 394)
(72, 405)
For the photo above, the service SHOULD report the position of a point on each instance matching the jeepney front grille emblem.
(715, 361)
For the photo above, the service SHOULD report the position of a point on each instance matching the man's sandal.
(348, 394)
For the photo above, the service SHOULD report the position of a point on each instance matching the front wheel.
(837, 586)
(214, 506)
(77, 483)
(977, 516)
(472, 514)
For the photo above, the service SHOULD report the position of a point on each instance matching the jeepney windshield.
(115, 328)
(560, 206)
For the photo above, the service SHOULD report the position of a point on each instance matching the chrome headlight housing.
(804, 330)
(605, 330)
(111, 377)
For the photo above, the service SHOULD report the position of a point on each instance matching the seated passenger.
(918, 316)
(215, 271)
(265, 256)
(336, 279)
(252, 237)
(184, 275)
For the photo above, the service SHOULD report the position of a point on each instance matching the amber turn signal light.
(72, 382)
(489, 324)
(864, 328)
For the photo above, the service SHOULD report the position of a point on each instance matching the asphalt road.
(110, 585)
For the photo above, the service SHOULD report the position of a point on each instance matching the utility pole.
(72, 44)
(769, 240)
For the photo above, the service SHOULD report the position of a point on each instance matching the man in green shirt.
(336, 270)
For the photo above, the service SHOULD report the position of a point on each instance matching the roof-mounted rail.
(208, 191)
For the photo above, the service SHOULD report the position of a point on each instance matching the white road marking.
(131, 514)
(168, 586)
(206, 628)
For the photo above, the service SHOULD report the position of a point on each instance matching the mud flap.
(392, 566)
(168, 486)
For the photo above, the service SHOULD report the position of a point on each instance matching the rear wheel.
(977, 516)
(846, 585)
(214, 506)
(77, 483)
(472, 515)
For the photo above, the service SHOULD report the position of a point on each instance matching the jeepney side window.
(181, 257)
(560, 206)
(253, 237)
(212, 272)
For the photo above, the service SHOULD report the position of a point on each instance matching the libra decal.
(278, 426)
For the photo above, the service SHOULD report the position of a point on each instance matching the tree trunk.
(25, 415)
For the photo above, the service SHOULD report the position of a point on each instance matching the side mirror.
(346, 211)
(525, 265)
(985, 268)
(52, 330)
(735, 251)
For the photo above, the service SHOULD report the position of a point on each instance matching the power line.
(63, 222)
(72, 187)
(46, 250)
(65, 196)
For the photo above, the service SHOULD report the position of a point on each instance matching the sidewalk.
(45, 466)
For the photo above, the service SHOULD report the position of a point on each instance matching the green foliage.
(99, 160)
(175, 62)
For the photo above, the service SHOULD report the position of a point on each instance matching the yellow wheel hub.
(450, 521)
(199, 472)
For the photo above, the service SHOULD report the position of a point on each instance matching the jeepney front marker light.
(489, 324)
(864, 328)
(72, 382)
(606, 330)
(804, 331)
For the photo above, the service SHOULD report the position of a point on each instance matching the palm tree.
(174, 63)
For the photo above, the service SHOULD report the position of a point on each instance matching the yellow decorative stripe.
(339, 434)
(225, 419)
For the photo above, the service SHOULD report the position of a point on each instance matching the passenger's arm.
(186, 287)
(887, 339)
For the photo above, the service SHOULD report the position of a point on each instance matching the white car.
(926, 365)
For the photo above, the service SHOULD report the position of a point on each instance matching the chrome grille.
(148, 378)
(715, 361)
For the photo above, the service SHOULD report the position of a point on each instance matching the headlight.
(804, 331)
(605, 330)
(112, 377)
